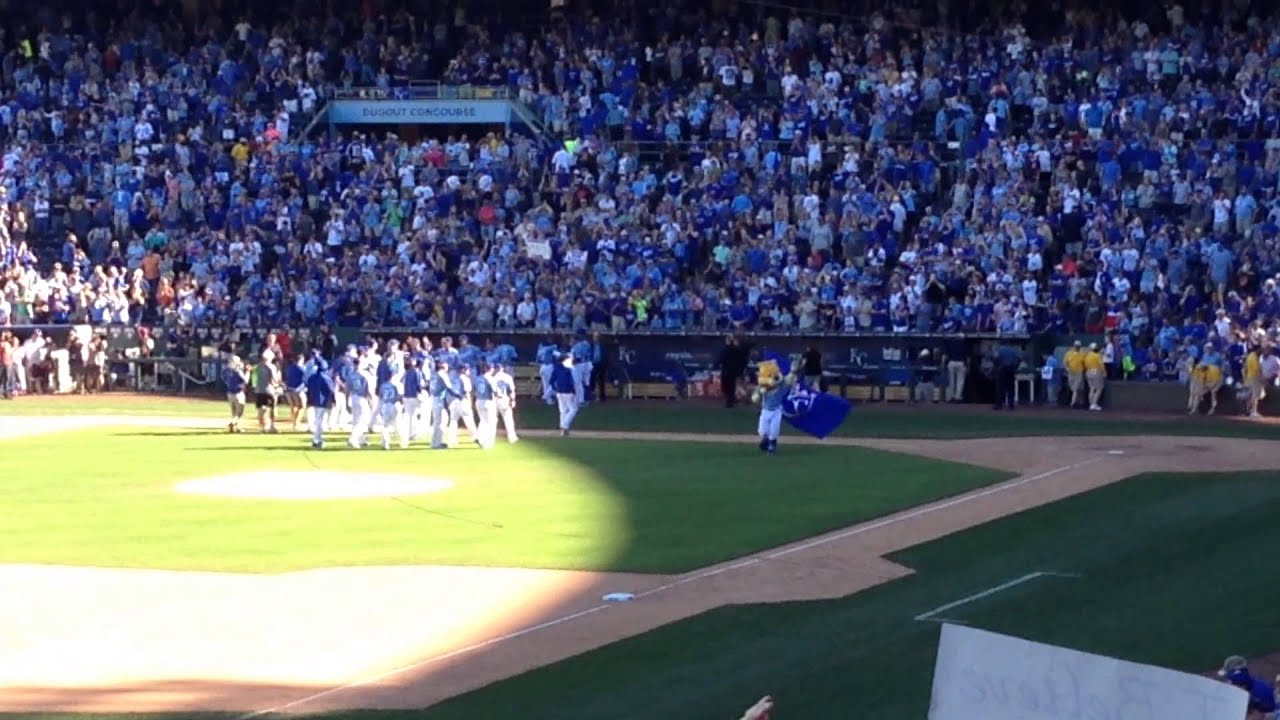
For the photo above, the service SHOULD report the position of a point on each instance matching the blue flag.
(807, 409)
(814, 413)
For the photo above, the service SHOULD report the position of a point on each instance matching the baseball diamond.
(122, 594)
(639, 359)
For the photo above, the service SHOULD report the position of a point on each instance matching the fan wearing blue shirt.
(1262, 697)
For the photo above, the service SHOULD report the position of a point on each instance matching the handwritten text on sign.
(981, 675)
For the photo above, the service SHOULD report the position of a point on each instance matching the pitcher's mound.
(312, 485)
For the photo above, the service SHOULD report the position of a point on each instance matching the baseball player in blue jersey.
(504, 399)
(235, 377)
(338, 418)
(295, 389)
(447, 352)
(503, 354)
(486, 406)
(546, 359)
(321, 394)
(373, 357)
(469, 355)
(360, 382)
(441, 389)
(461, 407)
(562, 381)
(581, 352)
(389, 410)
(414, 387)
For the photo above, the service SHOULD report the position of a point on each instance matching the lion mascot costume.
(774, 380)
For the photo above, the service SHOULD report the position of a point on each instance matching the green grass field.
(1170, 569)
(562, 503)
(871, 420)
(1173, 572)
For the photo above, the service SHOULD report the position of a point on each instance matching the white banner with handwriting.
(981, 675)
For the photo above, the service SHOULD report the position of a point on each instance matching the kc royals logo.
(798, 401)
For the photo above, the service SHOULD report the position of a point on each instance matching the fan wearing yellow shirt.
(1073, 361)
(1095, 374)
(1253, 382)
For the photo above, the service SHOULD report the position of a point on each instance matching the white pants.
(461, 410)
(770, 423)
(508, 420)
(360, 418)
(236, 402)
(441, 424)
(319, 415)
(568, 403)
(548, 394)
(487, 423)
(392, 419)
(338, 413)
(581, 380)
(413, 418)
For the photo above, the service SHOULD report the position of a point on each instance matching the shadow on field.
(682, 506)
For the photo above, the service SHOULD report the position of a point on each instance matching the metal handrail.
(425, 90)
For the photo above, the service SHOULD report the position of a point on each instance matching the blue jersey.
(502, 355)
(562, 380)
(458, 384)
(295, 377)
(388, 393)
(357, 384)
(234, 380)
(483, 388)
(1211, 357)
(439, 388)
(581, 351)
(470, 355)
(546, 354)
(320, 390)
(413, 382)
(774, 397)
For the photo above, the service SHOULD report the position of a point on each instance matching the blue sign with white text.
(419, 112)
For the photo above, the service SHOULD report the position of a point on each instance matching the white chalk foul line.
(698, 576)
(933, 614)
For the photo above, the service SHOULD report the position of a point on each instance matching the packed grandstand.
(723, 165)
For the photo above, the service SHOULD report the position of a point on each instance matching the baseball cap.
(1234, 668)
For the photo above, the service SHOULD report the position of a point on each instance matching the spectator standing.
(1007, 361)
(926, 374)
(733, 365)
(955, 359)
(812, 361)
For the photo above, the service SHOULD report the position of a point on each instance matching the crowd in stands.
(697, 168)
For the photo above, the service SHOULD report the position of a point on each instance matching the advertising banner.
(981, 675)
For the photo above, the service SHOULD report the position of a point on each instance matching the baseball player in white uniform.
(486, 406)
(360, 384)
(504, 399)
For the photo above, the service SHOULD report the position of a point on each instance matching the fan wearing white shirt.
(1030, 290)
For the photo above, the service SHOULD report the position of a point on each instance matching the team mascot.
(773, 385)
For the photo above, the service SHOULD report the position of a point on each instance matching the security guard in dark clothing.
(1007, 361)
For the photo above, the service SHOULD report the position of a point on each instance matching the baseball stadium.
(682, 359)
